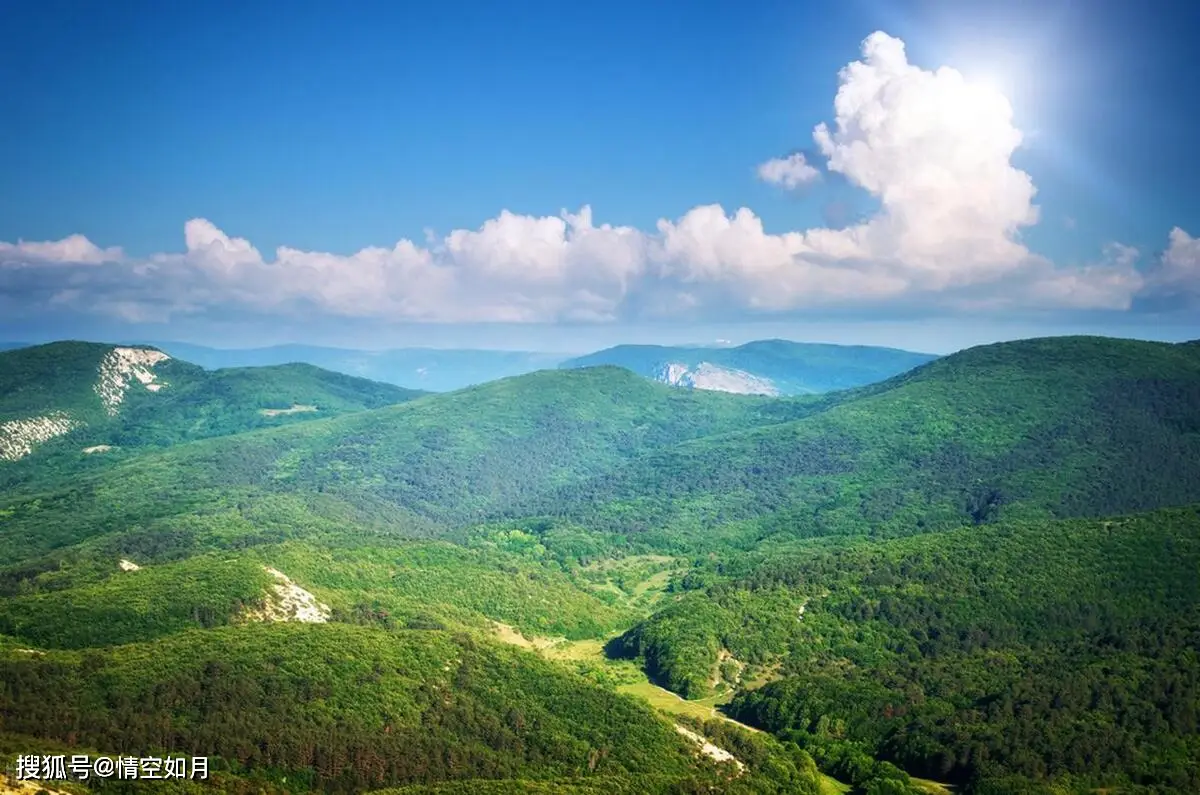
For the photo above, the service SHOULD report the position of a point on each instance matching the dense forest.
(983, 573)
(1029, 651)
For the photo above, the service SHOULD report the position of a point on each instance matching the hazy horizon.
(936, 336)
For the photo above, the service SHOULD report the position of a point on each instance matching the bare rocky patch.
(296, 409)
(714, 752)
(120, 367)
(287, 601)
(715, 378)
(19, 438)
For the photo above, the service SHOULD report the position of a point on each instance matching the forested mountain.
(452, 459)
(774, 367)
(1057, 427)
(983, 570)
(72, 401)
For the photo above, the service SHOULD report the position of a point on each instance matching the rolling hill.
(345, 708)
(84, 399)
(768, 367)
(1055, 427)
(982, 570)
(1064, 427)
(451, 460)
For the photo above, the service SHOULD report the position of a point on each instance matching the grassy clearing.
(639, 580)
(666, 701)
(831, 786)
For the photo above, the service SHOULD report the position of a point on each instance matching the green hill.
(84, 403)
(941, 570)
(83, 596)
(1056, 427)
(1063, 427)
(1020, 652)
(452, 460)
(344, 707)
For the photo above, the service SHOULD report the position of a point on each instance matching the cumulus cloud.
(789, 172)
(514, 268)
(1173, 280)
(75, 249)
(934, 149)
(1180, 265)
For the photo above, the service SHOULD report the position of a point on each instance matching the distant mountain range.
(429, 369)
(765, 367)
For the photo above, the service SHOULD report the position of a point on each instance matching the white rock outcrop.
(715, 378)
(289, 602)
(120, 367)
(708, 749)
(18, 438)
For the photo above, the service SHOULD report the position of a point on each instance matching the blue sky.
(328, 131)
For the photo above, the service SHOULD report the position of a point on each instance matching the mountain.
(1051, 427)
(981, 570)
(427, 369)
(1043, 428)
(95, 397)
(452, 460)
(765, 367)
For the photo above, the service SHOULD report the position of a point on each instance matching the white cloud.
(1181, 262)
(935, 150)
(767, 271)
(932, 147)
(1177, 272)
(75, 249)
(789, 172)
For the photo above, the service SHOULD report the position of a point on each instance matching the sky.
(562, 176)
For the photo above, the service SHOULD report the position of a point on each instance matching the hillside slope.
(345, 708)
(323, 601)
(453, 459)
(1063, 427)
(773, 367)
(1052, 427)
(991, 657)
(85, 398)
